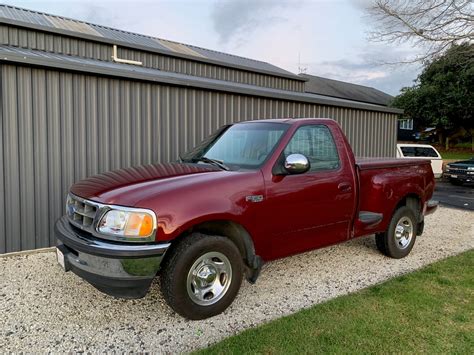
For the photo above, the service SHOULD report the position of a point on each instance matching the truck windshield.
(240, 146)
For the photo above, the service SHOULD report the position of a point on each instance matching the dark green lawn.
(429, 311)
(459, 155)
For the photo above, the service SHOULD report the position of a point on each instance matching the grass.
(465, 145)
(428, 311)
(461, 155)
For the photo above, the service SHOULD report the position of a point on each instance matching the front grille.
(85, 216)
(457, 171)
(81, 213)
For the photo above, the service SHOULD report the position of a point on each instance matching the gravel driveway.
(44, 309)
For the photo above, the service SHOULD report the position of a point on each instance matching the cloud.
(361, 4)
(88, 11)
(232, 18)
(326, 36)
(394, 80)
(370, 68)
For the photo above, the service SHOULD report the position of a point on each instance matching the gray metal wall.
(57, 128)
(50, 42)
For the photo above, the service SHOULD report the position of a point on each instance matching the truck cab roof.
(291, 121)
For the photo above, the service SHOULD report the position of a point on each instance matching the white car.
(422, 151)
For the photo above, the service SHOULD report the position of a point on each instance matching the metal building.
(78, 99)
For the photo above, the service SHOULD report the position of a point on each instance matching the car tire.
(398, 240)
(201, 276)
(380, 243)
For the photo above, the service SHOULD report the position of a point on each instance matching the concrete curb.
(28, 252)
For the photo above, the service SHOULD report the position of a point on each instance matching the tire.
(398, 240)
(380, 242)
(218, 268)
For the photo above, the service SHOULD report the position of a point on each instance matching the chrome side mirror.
(296, 164)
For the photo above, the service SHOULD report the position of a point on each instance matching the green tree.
(443, 94)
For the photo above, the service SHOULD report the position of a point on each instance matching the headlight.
(69, 205)
(448, 166)
(470, 168)
(138, 224)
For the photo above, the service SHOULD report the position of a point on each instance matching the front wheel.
(400, 236)
(202, 275)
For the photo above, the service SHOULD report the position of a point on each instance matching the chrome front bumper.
(460, 177)
(119, 269)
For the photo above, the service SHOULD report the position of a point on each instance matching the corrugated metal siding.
(26, 38)
(3, 241)
(57, 128)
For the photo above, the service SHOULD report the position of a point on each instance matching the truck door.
(312, 209)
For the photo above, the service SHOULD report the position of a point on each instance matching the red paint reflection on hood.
(98, 184)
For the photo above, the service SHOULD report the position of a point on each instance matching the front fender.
(206, 198)
(172, 226)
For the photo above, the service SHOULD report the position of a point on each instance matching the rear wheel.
(400, 236)
(202, 276)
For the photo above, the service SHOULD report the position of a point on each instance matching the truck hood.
(128, 186)
(463, 163)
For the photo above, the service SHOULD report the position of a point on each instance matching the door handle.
(344, 187)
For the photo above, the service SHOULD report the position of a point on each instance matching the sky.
(324, 38)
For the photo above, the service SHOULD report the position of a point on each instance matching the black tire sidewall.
(174, 275)
(391, 247)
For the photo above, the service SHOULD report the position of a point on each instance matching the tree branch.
(432, 24)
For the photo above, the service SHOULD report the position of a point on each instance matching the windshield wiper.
(215, 162)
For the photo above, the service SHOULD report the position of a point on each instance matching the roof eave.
(145, 48)
(152, 75)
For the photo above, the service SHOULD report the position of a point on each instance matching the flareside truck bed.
(383, 183)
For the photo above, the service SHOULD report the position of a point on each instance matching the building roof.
(344, 90)
(75, 28)
(22, 56)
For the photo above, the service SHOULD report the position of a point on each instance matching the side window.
(426, 152)
(406, 124)
(317, 144)
(408, 151)
(419, 152)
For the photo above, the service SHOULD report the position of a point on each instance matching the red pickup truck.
(251, 192)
